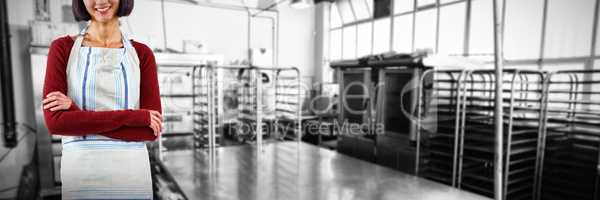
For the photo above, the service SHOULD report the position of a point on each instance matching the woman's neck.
(105, 34)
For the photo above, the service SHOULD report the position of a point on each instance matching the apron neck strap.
(124, 37)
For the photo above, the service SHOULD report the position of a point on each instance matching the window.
(448, 1)
(566, 66)
(598, 42)
(569, 28)
(361, 9)
(364, 38)
(402, 6)
(403, 26)
(335, 19)
(349, 51)
(523, 29)
(425, 27)
(522, 67)
(346, 11)
(421, 3)
(370, 7)
(381, 37)
(355, 32)
(481, 39)
(335, 45)
(452, 29)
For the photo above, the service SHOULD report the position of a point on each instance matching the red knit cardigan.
(129, 125)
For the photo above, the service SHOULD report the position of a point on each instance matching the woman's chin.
(104, 16)
(104, 19)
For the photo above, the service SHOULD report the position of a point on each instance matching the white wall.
(225, 31)
(297, 39)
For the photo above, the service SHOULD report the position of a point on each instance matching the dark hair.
(81, 13)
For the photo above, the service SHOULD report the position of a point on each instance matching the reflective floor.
(289, 170)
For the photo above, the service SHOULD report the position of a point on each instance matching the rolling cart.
(571, 148)
(522, 101)
(456, 130)
(242, 101)
(437, 125)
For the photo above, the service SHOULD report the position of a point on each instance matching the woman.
(101, 94)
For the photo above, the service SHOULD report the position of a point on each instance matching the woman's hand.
(57, 101)
(155, 122)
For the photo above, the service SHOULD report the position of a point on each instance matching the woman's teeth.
(103, 9)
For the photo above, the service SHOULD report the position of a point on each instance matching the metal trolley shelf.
(456, 129)
(437, 135)
(241, 100)
(571, 156)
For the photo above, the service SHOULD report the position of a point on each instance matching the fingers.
(157, 114)
(53, 96)
(155, 122)
(57, 105)
(154, 128)
(154, 115)
(49, 99)
(52, 104)
(155, 119)
(60, 107)
(56, 101)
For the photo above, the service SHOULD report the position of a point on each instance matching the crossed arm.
(63, 117)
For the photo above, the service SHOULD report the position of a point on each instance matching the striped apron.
(94, 166)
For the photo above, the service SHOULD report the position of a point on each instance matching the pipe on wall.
(498, 114)
(6, 81)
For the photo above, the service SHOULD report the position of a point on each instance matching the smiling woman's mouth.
(103, 10)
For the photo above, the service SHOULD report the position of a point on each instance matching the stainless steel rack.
(571, 140)
(456, 129)
(522, 103)
(233, 100)
(437, 122)
(203, 111)
(287, 104)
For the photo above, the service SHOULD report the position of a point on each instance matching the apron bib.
(94, 166)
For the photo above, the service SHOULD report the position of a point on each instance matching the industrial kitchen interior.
(300, 99)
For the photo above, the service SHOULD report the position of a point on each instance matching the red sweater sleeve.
(149, 97)
(76, 122)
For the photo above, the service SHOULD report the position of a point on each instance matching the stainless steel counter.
(287, 170)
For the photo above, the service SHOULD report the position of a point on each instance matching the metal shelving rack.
(230, 99)
(203, 99)
(571, 150)
(248, 102)
(180, 97)
(456, 129)
(288, 103)
(522, 103)
(438, 116)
